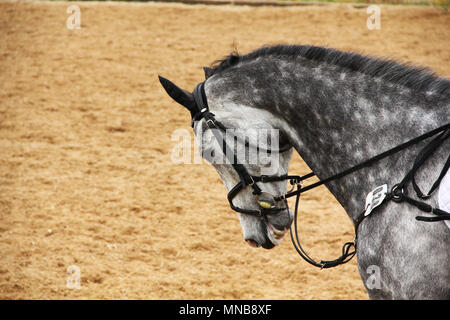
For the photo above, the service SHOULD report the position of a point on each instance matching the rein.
(267, 202)
(398, 193)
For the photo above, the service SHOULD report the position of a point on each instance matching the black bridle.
(268, 203)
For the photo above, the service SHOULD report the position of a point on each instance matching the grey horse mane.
(402, 74)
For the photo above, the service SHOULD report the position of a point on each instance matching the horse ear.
(181, 96)
(208, 72)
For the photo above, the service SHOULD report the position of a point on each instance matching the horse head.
(242, 144)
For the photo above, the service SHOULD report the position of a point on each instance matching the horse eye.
(209, 155)
(209, 152)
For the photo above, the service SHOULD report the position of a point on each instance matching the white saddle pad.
(444, 195)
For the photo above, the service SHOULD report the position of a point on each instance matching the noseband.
(267, 202)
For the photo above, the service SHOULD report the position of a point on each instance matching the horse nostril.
(252, 243)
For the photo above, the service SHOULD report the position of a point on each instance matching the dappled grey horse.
(337, 110)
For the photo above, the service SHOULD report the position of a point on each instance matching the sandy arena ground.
(86, 178)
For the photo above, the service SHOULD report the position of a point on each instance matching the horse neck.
(336, 118)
